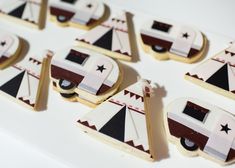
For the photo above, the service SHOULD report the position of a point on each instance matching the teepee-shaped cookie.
(123, 121)
(83, 14)
(110, 38)
(168, 40)
(217, 74)
(24, 81)
(30, 12)
(198, 128)
(10, 46)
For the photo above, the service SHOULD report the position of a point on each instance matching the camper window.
(197, 112)
(77, 57)
(161, 26)
(69, 1)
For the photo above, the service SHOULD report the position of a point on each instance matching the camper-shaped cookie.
(168, 40)
(217, 73)
(29, 12)
(201, 129)
(10, 46)
(82, 75)
(78, 13)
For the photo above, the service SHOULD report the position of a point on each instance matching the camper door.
(221, 138)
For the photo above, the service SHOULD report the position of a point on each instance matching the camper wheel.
(61, 18)
(68, 95)
(159, 49)
(188, 145)
(66, 85)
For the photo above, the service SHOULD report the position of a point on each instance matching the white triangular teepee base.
(121, 121)
(110, 38)
(29, 13)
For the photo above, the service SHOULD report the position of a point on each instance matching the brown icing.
(87, 124)
(61, 12)
(118, 20)
(179, 130)
(151, 41)
(231, 155)
(231, 65)
(31, 21)
(121, 104)
(82, 40)
(67, 14)
(35, 61)
(164, 27)
(214, 59)
(140, 147)
(59, 73)
(133, 94)
(26, 101)
(115, 28)
(3, 59)
(54, 83)
(28, 71)
(124, 53)
(91, 21)
(193, 52)
(131, 143)
(104, 88)
(229, 52)
(197, 107)
(194, 76)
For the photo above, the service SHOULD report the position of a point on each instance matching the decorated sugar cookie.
(24, 81)
(203, 129)
(10, 46)
(123, 121)
(168, 40)
(217, 74)
(82, 75)
(29, 12)
(110, 38)
(84, 14)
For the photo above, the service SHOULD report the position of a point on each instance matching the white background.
(52, 139)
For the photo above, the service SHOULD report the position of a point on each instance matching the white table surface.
(52, 139)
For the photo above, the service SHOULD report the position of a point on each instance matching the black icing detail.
(159, 49)
(77, 57)
(69, 1)
(225, 128)
(164, 27)
(12, 86)
(3, 43)
(220, 78)
(105, 41)
(195, 111)
(100, 68)
(228, 52)
(66, 85)
(115, 127)
(185, 35)
(18, 12)
(188, 145)
(68, 95)
(89, 5)
(54, 84)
